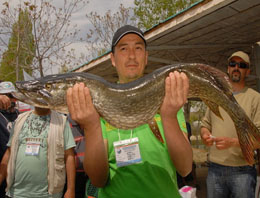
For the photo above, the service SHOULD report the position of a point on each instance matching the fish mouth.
(19, 96)
(45, 93)
(31, 98)
(20, 85)
(32, 88)
(33, 93)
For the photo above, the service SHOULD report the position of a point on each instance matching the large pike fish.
(129, 105)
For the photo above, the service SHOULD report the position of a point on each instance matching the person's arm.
(70, 172)
(5, 102)
(83, 112)
(220, 142)
(3, 165)
(176, 91)
(226, 142)
(206, 137)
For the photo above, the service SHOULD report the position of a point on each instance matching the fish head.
(48, 92)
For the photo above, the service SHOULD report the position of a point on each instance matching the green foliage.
(64, 69)
(199, 109)
(42, 44)
(20, 52)
(197, 112)
(151, 12)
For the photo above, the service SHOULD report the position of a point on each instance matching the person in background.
(80, 177)
(8, 113)
(40, 155)
(229, 175)
(151, 169)
(5, 102)
(83, 186)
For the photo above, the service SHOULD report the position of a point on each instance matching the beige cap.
(242, 55)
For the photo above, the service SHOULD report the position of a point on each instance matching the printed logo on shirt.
(109, 127)
(157, 118)
(184, 126)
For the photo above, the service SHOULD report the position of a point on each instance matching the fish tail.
(249, 139)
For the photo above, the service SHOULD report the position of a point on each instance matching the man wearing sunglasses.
(229, 175)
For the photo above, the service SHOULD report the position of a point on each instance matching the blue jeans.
(231, 182)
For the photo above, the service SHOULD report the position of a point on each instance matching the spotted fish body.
(129, 105)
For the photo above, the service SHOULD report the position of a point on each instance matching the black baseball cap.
(122, 31)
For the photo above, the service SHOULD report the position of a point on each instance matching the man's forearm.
(3, 166)
(96, 159)
(178, 146)
(70, 170)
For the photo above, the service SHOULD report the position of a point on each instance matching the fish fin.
(249, 136)
(219, 77)
(213, 107)
(256, 133)
(155, 129)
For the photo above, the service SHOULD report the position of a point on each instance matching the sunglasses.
(241, 65)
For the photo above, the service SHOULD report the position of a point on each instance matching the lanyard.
(119, 137)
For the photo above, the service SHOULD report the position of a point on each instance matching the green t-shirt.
(31, 171)
(154, 176)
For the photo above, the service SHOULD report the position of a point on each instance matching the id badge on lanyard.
(33, 146)
(127, 152)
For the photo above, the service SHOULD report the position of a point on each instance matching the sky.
(99, 6)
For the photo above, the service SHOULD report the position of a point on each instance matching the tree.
(146, 14)
(151, 12)
(21, 50)
(52, 31)
(64, 69)
(99, 37)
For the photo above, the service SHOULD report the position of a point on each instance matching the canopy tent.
(207, 32)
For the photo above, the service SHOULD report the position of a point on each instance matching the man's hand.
(5, 102)
(80, 106)
(206, 137)
(226, 142)
(69, 194)
(220, 142)
(176, 92)
(82, 110)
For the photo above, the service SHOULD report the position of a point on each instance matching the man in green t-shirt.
(135, 163)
